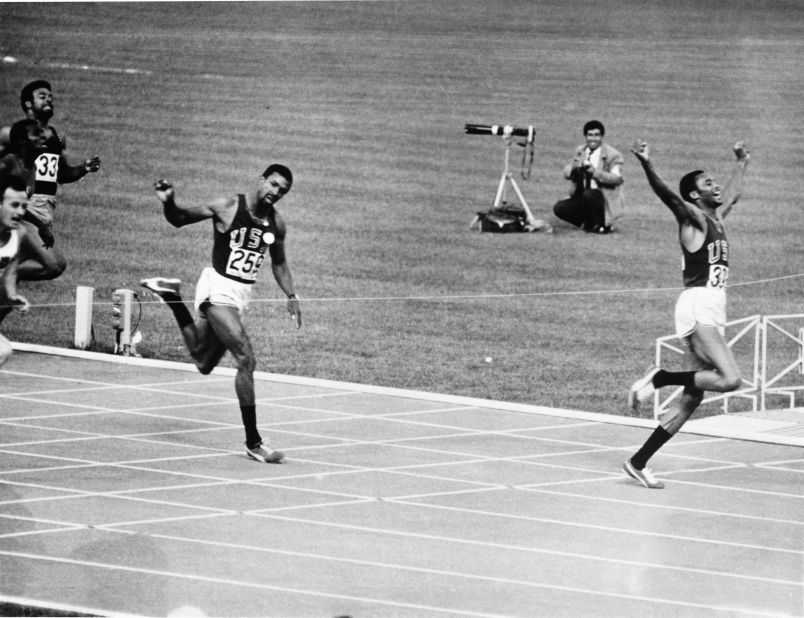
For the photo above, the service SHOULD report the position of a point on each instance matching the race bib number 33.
(244, 264)
(47, 167)
(46, 172)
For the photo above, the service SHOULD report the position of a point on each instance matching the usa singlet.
(238, 253)
(708, 267)
(9, 250)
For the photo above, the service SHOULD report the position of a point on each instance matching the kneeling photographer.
(596, 173)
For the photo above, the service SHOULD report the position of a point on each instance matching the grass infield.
(366, 103)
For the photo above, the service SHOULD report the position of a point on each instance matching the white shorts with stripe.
(699, 305)
(218, 290)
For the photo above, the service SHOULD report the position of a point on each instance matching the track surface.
(123, 490)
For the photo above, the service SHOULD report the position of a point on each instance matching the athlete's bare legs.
(711, 366)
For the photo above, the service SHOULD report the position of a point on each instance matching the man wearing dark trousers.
(596, 175)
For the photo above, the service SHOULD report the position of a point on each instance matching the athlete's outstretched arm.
(179, 216)
(734, 186)
(71, 173)
(670, 198)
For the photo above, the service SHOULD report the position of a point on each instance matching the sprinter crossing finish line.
(246, 227)
(699, 208)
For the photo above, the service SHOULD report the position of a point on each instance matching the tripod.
(508, 177)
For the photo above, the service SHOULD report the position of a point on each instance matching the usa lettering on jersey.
(718, 252)
(247, 251)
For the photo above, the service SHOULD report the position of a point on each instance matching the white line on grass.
(451, 297)
(481, 296)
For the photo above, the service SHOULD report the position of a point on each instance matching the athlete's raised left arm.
(734, 186)
(281, 270)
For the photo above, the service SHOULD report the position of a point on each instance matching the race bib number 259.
(244, 264)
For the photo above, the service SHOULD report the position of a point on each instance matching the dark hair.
(19, 132)
(277, 168)
(688, 184)
(12, 181)
(26, 94)
(592, 125)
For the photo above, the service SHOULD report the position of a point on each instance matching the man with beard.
(42, 259)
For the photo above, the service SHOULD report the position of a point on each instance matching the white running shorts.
(219, 290)
(706, 306)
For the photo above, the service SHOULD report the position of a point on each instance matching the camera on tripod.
(504, 130)
(508, 132)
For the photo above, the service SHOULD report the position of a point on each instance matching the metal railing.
(792, 334)
(761, 377)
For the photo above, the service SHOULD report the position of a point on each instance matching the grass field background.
(366, 102)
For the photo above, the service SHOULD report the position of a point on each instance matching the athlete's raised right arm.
(179, 216)
(670, 198)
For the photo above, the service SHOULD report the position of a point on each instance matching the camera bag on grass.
(502, 220)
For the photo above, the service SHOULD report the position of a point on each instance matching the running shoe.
(161, 286)
(644, 476)
(642, 390)
(264, 453)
